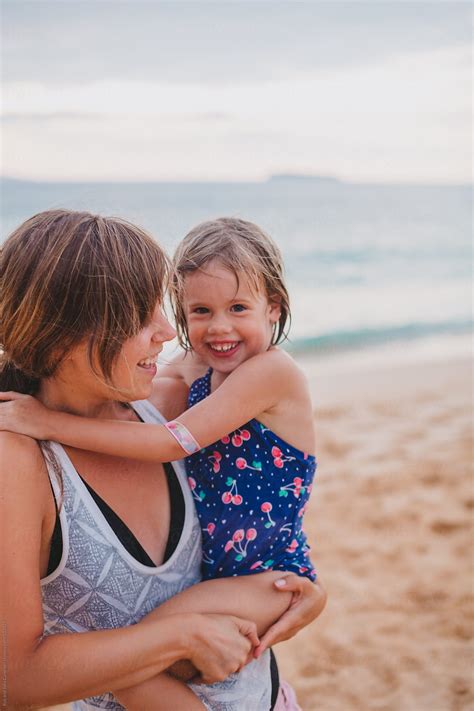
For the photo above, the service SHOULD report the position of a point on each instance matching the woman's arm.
(253, 388)
(280, 604)
(59, 668)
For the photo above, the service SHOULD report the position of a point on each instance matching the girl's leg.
(160, 693)
(251, 597)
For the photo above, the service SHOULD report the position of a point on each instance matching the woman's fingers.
(224, 647)
(285, 628)
(307, 603)
(290, 583)
(249, 629)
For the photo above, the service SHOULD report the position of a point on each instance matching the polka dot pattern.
(250, 489)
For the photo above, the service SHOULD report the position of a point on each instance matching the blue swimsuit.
(251, 489)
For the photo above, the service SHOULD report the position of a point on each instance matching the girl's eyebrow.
(193, 304)
(241, 300)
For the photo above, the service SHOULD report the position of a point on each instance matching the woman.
(95, 543)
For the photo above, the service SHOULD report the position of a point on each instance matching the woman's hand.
(23, 414)
(220, 645)
(307, 603)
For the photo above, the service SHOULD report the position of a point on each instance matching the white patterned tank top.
(98, 584)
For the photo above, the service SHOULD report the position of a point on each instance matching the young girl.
(248, 432)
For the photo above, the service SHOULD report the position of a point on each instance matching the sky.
(229, 90)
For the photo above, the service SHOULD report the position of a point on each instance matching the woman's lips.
(150, 369)
(149, 363)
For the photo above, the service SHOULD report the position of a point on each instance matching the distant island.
(280, 177)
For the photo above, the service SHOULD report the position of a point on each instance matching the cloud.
(406, 117)
(46, 116)
(76, 42)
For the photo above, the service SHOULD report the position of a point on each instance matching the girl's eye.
(201, 310)
(239, 308)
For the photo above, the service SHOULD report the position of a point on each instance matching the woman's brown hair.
(66, 277)
(241, 247)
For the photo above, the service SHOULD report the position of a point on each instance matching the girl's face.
(228, 321)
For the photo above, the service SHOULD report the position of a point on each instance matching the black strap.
(275, 677)
(56, 550)
(122, 531)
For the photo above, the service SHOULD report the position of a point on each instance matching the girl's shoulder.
(185, 366)
(278, 366)
(291, 416)
(171, 386)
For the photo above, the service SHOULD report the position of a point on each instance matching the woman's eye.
(239, 308)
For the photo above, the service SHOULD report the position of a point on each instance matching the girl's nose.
(219, 325)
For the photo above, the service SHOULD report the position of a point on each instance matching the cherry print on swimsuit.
(251, 489)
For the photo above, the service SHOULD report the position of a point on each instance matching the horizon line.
(295, 177)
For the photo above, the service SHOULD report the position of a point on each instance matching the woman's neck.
(69, 396)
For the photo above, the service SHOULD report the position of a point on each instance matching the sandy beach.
(390, 524)
(391, 527)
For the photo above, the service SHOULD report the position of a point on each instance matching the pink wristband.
(183, 436)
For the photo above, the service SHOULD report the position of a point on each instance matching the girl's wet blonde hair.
(241, 247)
(71, 277)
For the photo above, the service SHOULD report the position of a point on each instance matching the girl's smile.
(228, 320)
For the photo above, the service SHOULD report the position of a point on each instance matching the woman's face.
(132, 372)
(136, 366)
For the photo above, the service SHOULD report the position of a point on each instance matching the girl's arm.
(253, 388)
(59, 668)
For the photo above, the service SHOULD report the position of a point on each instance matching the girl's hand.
(307, 603)
(23, 414)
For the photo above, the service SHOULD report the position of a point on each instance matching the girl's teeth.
(224, 348)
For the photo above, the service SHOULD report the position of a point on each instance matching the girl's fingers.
(11, 395)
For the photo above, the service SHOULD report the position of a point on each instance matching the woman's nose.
(164, 331)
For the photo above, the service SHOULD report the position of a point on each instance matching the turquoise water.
(366, 264)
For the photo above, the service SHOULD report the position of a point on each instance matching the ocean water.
(367, 265)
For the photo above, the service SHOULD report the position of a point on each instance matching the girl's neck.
(217, 379)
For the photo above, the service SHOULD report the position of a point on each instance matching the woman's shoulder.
(23, 472)
(17, 449)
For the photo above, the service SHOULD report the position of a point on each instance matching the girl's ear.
(274, 303)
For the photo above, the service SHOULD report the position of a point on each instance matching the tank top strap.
(200, 388)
